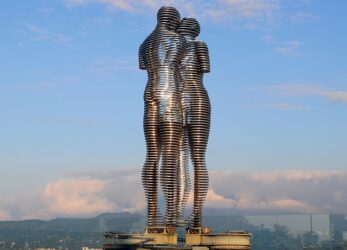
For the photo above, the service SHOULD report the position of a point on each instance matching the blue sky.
(71, 92)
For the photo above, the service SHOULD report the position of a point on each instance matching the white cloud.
(76, 197)
(262, 14)
(87, 194)
(310, 89)
(116, 4)
(110, 64)
(291, 204)
(302, 17)
(48, 84)
(295, 190)
(282, 106)
(40, 34)
(250, 8)
(91, 193)
(220, 10)
(289, 48)
(46, 11)
(124, 5)
(217, 201)
(4, 215)
(339, 195)
(283, 47)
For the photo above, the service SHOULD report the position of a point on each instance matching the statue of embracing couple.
(176, 117)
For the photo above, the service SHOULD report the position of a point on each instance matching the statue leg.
(170, 135)
(150, 168)
(183, 178)
(198, 139)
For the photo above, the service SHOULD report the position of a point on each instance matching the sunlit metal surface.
(196, 110)
(160, 55)
(176, 118)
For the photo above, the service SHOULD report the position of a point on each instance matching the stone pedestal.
(159, 238)
(230, 240)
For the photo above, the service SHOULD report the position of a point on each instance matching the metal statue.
(160, 54)
(196, 109)
(176, 118)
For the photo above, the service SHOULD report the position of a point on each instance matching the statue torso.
(161, 53)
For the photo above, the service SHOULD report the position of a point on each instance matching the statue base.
(229, 240)
(166, 238)
(161, 236)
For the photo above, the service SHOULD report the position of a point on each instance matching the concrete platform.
(230, 240)
(165, 238)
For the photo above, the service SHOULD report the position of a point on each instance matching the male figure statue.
(160, 54)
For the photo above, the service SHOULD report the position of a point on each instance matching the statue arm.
(203, 57)
(142, 64)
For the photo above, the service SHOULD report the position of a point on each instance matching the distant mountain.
(72, 233)
(245, 212)
(101, 223)
(66, 233)
(121, 221)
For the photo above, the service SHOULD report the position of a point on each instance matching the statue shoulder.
(201, 47)
(203, 56)
(200, 44)
(142, 54)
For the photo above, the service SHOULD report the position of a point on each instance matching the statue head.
(169, 17)
(189, 26)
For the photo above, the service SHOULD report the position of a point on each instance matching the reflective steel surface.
(176, 117)
(196, 109)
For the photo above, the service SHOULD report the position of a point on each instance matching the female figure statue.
(196, 110)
